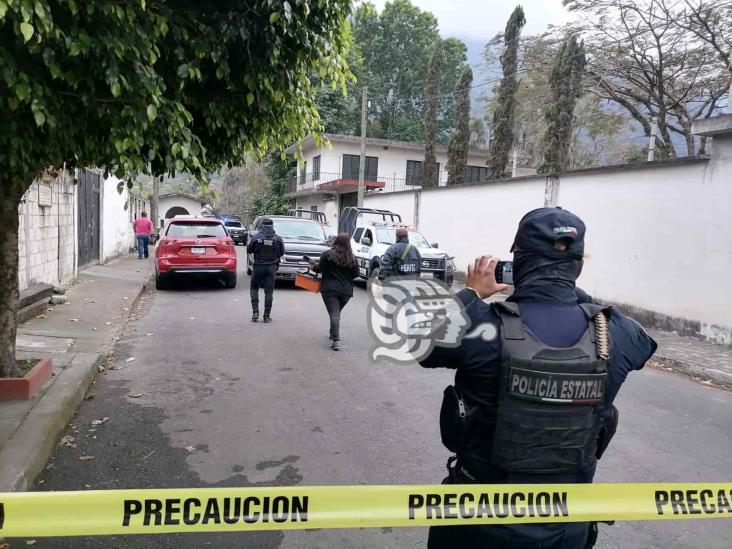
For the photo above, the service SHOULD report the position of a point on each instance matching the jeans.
(143, 241)
(334, 303)
(263, 276)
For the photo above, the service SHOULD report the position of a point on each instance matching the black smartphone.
(504, 272)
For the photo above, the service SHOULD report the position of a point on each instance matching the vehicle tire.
(161, 283)
(230, 281)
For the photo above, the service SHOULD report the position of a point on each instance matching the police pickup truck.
(371, 238)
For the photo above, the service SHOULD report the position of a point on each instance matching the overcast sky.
(482, 19)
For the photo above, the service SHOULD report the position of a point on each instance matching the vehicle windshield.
(182, 229)
(388, 236)
(233, 224)
(296, 229)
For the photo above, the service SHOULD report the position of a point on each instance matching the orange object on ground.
(307, 282)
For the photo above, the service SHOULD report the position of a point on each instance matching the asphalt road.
(225, 402)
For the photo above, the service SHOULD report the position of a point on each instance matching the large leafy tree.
(566, 84)
(432, 92)
(151, 86)
(457, 150)
(503, 116)
(659, 59)
(395, 47)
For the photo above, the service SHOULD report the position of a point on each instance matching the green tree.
(503, 116)
(432, 97)
(151, 86)
(395, 47)
(566, 84)
(457, 150)
(271, 199)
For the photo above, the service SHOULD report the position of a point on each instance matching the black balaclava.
(540, 272)
(267, 227)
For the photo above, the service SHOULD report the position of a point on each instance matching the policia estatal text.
(267, 249)
(534, 405)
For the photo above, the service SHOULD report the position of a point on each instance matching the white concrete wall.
(392, 160)
(47, 236)
(118, 212)
(658, 238)
(325, 203)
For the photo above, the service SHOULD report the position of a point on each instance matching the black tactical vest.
(407, 263)
(266, 251)
(550, 399)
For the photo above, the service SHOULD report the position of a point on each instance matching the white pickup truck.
(371, 239)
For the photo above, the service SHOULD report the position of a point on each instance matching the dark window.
(351, 164)
(316, 168)
(476, 174)
(314, 208)
(414, 172)
(183, 229)
(357, 235)
(303, 172)
(367, 234)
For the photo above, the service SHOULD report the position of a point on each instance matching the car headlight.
(450, 264)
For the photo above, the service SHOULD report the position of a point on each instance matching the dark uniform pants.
(581, 535)
(334, 303)
(263, 276)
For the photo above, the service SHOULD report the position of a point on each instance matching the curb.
(26, 452)
(696, 373)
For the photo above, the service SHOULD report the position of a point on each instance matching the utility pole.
(652, 143)
(362, 161)
(154, 203)
(514, 166)
(729, 95)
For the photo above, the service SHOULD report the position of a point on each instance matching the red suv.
(195, 246)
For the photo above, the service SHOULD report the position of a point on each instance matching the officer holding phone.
(534, 404)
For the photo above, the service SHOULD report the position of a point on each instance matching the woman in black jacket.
(338, 267)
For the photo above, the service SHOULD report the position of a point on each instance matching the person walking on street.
(267, 249)
(143, 227)
(338, 267)
(401, 258)
(534, 405)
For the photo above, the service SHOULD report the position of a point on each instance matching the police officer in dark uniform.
(267, 249)
(535, 403)
(401, 258)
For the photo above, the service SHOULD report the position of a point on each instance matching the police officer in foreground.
(513, 416)
(401, 258)
(267, 249)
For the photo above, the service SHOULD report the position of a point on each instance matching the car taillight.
(167, 243)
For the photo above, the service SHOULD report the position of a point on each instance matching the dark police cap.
(540, 229)
(267, 221)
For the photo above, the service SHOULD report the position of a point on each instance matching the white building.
(327, 180)
(172, 204)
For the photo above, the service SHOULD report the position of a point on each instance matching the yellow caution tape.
(294, 508)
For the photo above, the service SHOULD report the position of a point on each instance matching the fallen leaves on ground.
(135, 395)
(191, 448)
(68, 441)
(99, 421)
(130, 359)
(73, 320)
(87, 458)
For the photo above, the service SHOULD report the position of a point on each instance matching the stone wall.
(47, 234)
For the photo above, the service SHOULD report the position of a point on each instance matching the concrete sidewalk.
(695, 358)
(78, 335)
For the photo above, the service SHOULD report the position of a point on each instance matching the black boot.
(267, 318)
(336, 345)
(255, 316)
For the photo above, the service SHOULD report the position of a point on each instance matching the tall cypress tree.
(566, 84)
(432, 92)
(503, 116)
(457, 150)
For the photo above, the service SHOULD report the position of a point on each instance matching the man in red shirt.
(143, 227)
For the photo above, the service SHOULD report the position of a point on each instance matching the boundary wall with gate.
(659, 234)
